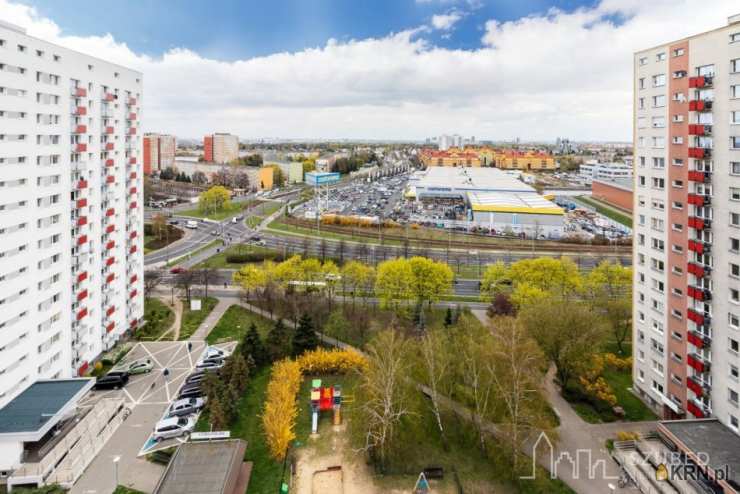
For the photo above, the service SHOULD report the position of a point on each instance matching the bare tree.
(477, 376)
(436, 366)
(322, 249)
(340, 251)
(207, 276)
(305, 246)
(152, 278)
(185, 281)
(199, 178)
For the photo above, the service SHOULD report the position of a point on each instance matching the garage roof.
(40, 406)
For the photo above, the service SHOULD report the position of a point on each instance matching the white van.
(191, 224)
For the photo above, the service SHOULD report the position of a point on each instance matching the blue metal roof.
(41, 401)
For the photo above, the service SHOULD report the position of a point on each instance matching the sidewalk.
(211, 320)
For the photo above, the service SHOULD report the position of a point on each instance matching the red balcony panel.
(108, 97)
(698, 270)
(134, 234)
(132, 176)
(700, 105)
(699, 247)
(132, 160)
(82, 184)
(80, 147)
(699, 223)
(695, 339)
(81, 313)
(82, 277)
(133, 249)
(110, 228)
(694, 386)
(79, 92)
(110, 327)
(699, 153)
(700, 82)
(110, 179)
(699, 200)
(110, 310)
(132, 205)
(133, 293)
(82, 221)
(700, 177)
(82, 240)
(80, 110)
(700, 130)
(132, 190)
(695, 410)
(134, 278)
(109, 162)
(110, 245)
(110, 212)
(134, 323)
(83, 368)
(109, 130)
(696, 317)
(110, 278)
(109, 146)
(696, 363)
(81, 203)
(82, 295)
(131, 101)
(80, 129)
(132, 116)
(132, 131)
(110, 261)
(699, 294)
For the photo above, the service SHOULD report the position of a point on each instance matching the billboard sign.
(322, 178)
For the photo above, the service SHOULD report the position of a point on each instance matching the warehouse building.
(494, 200)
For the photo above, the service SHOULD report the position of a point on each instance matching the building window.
(677, 140)
(734, 167)
(735, 91)
(734, 219)
(734, 37)
(659, 101)
(735, 142)
(678, 52)
(659, 142)
(734, 245)
(641, 83)
(659, 80)
(641, 103)
(734, 321)
(658, 122)
(734, 372)
(732, 396)
(677, 161)
(735, 117)
(660, 57)
(679, 74)
(735, 270)
(735, 66)
(734, 346)
(643, 60)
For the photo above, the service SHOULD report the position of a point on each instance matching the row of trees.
(248, 160)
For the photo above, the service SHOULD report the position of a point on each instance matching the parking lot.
(148, 396)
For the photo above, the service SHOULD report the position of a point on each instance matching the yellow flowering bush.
(335, 361)
(594, 384)
(281, 408)
(618, 363)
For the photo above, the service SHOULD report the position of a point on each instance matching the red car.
(177, 270)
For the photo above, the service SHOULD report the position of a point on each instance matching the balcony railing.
(80, 147)
(700, 130)
(697, 409)
(699, 223)
(79, 92)
(700, 153)
(694, 386)
(700, 177)
(697, 363)
(82, 221)
(699, 340)
(109, 130)
(109, 96)
(109, 162)
(699, 199)
(698, 318)
(700, 294)
(110, 327)
(79, 111)
(699, 247)
(109, 146)
(132, 160)
(701, 81)
(698, 270)
(80, 129)
(700, 105)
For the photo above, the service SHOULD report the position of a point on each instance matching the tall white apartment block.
(220, 148)
(71, 212)
(687, 226)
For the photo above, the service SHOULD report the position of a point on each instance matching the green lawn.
(158, 319)
(234, 209)
(266, 472)
(192, 319)
(609, 212)
(126, 490)
(234, 324)
(218, 261)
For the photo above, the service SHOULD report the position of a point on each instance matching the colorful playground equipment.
(324, 399)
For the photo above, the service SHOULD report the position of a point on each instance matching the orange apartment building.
(450, 157)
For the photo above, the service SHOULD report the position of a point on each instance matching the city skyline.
(399, 78)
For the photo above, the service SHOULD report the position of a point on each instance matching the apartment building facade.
(687, 226)
(71, 209)
(158, 152)
(220, 148)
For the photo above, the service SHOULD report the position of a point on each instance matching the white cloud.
(445, 22)
(537, 77)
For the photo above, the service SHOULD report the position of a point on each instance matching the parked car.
(186, 406)
(196, 377)
(210, 365)
(217, 359)
(173, 427)
(112, 380)
(138, 367)
(213, 351)
(191, 392)
(177, 270)
(174, 222)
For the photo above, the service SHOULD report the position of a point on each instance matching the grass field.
(609, 212)
(234, 209)
(158, 319)
(191, 319)
(218, 261)
(234, 324)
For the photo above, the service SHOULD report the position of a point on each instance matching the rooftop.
(469, 179)
(41, 405)
(709, 437)
(512, 203)
(621, 183)
(206, 467)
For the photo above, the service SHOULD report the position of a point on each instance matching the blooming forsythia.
(281, 407)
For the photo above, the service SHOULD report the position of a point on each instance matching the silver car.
(173, 427)
(187, 406)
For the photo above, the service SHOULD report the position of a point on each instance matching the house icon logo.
(661, 473)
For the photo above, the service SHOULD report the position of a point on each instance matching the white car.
(191, 224)
(212, 352)
(186, 406)
(210, 365)
(173, 427)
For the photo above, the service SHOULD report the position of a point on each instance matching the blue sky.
(233, 29)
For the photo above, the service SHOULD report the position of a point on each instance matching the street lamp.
(116, 459)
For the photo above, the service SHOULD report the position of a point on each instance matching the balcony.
(110, 261)
(133, 250)
(110, 327)
(110, 179)
(109, 146)
(110, 310)
(132, 205)
(79, 92)
(82, 184)
(133, 293)
(699, 200)
(700, 130)
(131, 116)
(700, 177)
(700, 153)
(109, 162)
(110, 245)
(699, 223)
(134, 234)
(699, 247)
(79, 111)
(701, 81)
(82, 277)
(109, 130)
(698, 270)
(82, 295)
(110, 212)
(132, 176)
(132, 161)
(700, 105)
(109, 97)
(132, 191)
(697, 317)
(698, 339)
(700, 294)
(80, 147)
(82, 221)
(110, 278)
(80, 129)
(82, 240)
(110, 228)
(131, 102)
(132, 131)
(81, 314)
(697, 409)
(81, 203)
(697, 363)
(694, 386)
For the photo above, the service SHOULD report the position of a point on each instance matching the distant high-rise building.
(159, 152)
(687, 226)
(220, 148)
(71, 210)
(445, 142)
